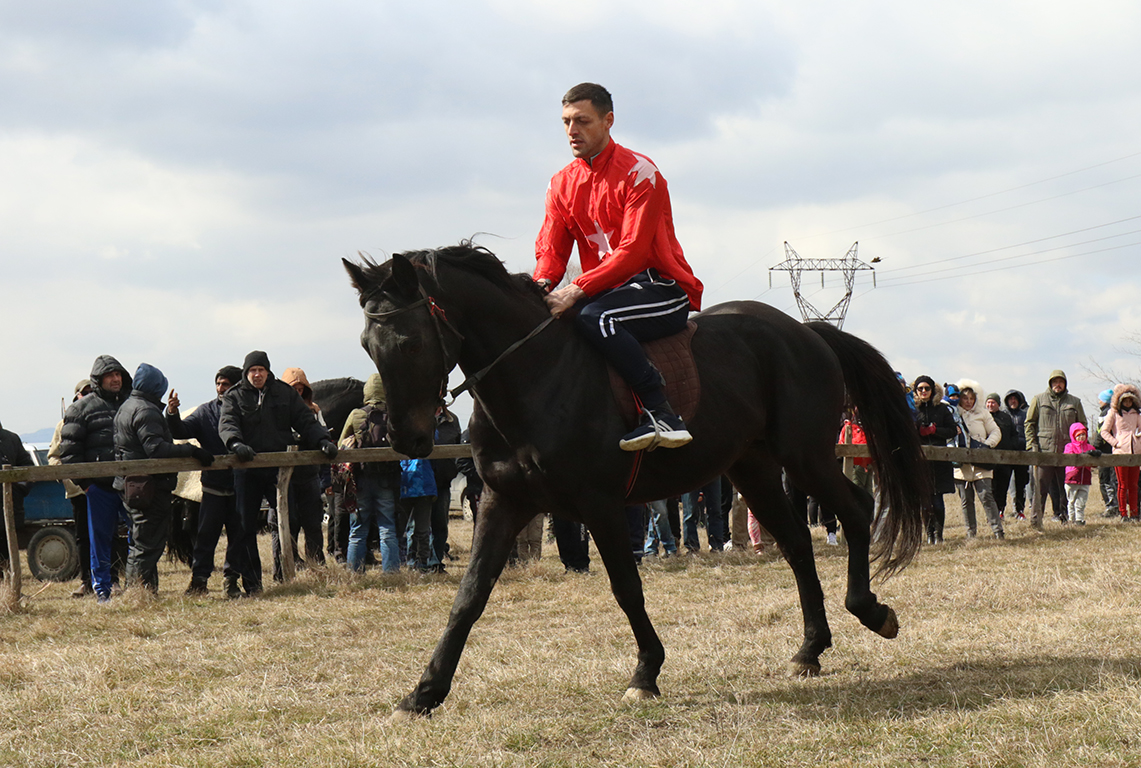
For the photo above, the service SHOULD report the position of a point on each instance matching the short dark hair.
(598, 96)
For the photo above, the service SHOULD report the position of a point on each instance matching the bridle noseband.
(436, 312)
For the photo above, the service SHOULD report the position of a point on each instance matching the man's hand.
(563, 299)
(172, 402)
(329, 449)
(202, 456)
(243, 452)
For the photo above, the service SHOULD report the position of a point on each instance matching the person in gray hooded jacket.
(141, 432)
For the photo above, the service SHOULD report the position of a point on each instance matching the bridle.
(439, 322)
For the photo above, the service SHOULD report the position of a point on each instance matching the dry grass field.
(1018, 653)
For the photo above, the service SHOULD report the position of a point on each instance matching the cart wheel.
(53, 554)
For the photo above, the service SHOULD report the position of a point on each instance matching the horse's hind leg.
(496, 527)
(853, 507)
(757, 477)
(612, 538)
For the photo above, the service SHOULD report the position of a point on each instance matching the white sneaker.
(832, 540)
(663, 430)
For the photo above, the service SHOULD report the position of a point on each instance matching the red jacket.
(617, 211)
(858, 438)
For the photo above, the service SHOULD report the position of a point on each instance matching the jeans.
(419, 531)
(375, 500)
(658, 530)
(105, 511)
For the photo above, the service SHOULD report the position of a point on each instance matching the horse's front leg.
(608, 526)
(497, 525)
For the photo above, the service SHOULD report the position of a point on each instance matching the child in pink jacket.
(1078, 479)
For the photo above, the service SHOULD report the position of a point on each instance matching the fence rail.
(368, 455)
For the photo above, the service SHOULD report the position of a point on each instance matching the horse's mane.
(467, 257)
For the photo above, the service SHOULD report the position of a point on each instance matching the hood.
(150, 381)
(1076, 427)
(1125, 389)
(293, 376)
(1021, 399)
(1059, 373)
(374, 390)
(105, 364)
(257, 357)
(974, 386)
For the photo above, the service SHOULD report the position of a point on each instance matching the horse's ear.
(404, 280)
(356, 275)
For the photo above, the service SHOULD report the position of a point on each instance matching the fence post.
(288, 567)
(15, 586)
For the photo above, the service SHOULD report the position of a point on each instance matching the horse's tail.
(903, 473)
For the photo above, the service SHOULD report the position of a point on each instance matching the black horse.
(338, 398)
(545, 433)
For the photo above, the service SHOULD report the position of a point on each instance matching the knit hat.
(924, 380)
(230, 373)
(1105, 395)
(994, 396)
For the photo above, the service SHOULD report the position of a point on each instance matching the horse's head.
(403, 337)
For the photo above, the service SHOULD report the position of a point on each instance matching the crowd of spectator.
(401, 508)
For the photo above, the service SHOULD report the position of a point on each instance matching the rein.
(437, 314)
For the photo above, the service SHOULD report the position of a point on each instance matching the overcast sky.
(180, 180)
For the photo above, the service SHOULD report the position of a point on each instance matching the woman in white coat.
(970, 480)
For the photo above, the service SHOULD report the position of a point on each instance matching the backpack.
(375, 433)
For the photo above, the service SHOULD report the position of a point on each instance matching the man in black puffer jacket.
(261, 414)
(88, 434)
(141, 432)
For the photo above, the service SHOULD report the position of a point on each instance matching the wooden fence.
(291, 459)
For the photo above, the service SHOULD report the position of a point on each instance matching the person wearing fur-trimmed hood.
(979, 427)
(1122, 430)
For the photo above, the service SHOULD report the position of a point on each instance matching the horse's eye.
(410, 345)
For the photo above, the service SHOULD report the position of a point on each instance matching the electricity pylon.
(795, 266)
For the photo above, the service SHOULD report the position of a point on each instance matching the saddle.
(673, 357)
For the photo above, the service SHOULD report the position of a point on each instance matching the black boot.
(197, 588)
(233, 591)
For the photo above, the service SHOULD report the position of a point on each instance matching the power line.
(897, 280)
(1008, 247)
(975, 199)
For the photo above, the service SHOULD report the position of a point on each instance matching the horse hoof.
(890, 626)
(803, 669)
(638, 694)
(403, 716)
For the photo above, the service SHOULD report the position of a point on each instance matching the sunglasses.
(923, 388)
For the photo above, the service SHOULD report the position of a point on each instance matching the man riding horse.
(635, 284)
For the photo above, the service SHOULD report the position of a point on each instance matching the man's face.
(111, 382)
(257, 375)
(1058, 384)
(586, 130)
(1012, 402)
(222, 385)
(992, 406)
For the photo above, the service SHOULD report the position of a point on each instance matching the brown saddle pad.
(674, 358)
